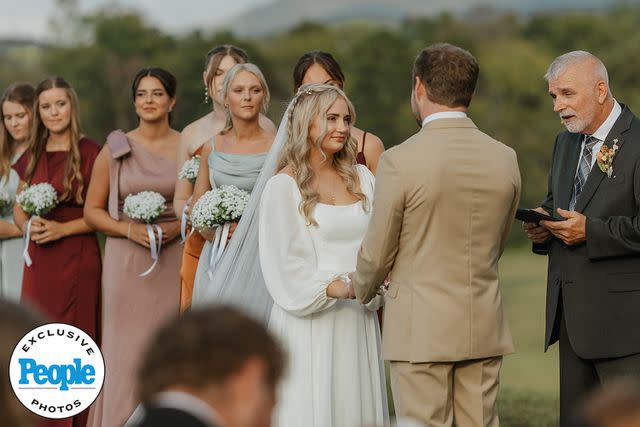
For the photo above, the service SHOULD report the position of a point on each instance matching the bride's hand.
(338, 289)
(232, 229)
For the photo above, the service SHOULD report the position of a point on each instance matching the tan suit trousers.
(445, 394)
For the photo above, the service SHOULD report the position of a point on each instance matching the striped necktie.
(583, 170)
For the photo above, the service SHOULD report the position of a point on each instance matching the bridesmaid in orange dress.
(64, 280)
(219, 60)
(143, 159)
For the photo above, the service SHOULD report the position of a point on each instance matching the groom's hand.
(572, 231)
(535, 232)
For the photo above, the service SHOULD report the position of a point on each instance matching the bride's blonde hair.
(311, 101)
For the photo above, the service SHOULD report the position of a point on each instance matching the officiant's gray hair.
(561, 62)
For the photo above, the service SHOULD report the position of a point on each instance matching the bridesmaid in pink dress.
(144, 159)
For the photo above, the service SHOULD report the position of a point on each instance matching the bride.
(312, 217)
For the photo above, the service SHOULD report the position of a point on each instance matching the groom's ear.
(419, 88)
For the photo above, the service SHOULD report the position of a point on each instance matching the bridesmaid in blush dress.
(17, 115)
(64, 280)
(143, 159)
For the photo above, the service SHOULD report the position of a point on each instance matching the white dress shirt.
(601, 133)
(444, 115)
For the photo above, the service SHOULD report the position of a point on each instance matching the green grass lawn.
(529, 378)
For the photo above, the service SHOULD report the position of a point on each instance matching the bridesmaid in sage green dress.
(235, 156)
(17, 116)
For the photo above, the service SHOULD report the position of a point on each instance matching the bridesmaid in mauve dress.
(17, 115)
(134, 306)
(64, 280)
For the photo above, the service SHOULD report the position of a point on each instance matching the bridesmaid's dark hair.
(325, 60)
(217, 54)
(168, 81)
(40, 134)
(19, 93)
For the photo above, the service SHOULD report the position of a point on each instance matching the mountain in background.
(282, 15)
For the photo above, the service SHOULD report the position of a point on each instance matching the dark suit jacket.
(169, 417)
(599, 280)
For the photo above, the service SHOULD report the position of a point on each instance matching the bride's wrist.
(337, 289)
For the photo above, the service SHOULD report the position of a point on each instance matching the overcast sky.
(29, 18)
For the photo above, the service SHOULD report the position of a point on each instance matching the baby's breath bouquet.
(147, 206)
(189, 169)
(217, 209)
(36, 200)
(6, 201)
(219, 206)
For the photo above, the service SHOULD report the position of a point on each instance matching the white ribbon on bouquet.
(27, 239)
(154, 246)
(218, 246)
(183, 222)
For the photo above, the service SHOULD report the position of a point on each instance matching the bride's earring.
(206, 95)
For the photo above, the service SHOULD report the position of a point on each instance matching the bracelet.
(129, 232)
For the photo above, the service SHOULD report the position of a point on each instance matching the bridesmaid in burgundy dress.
(64, 280)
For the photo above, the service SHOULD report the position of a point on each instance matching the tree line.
(103, 51)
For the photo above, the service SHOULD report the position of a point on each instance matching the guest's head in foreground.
(614, 405)
(15, 321)
(220, 358)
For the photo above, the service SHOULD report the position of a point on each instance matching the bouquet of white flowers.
(219, 206)
(38, 200)
(217, 209)
(189, 169)
(5, 201)
(147, 206)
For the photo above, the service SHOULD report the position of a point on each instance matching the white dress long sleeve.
(335, 373)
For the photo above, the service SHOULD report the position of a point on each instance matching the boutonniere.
(605, 158)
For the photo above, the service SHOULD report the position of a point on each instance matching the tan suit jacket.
(444, 203)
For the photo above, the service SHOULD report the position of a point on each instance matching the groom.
(444, 202)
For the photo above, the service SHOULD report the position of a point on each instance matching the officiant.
(593, 285)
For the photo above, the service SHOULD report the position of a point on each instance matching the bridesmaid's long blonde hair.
(311, 101)
(40, 134)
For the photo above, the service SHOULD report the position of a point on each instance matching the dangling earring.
(206, 95)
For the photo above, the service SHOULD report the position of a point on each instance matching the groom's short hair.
(449, 74)
(205, 347)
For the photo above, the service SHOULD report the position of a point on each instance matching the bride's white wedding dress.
(335, 374)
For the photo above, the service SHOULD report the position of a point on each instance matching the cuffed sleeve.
(287, 254)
